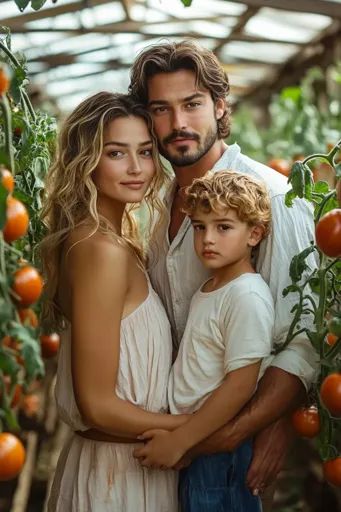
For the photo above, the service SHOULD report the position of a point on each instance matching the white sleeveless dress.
(96, 476)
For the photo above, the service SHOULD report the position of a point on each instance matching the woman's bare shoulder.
(99, 251)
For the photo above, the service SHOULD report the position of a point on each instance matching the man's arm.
(278, 394)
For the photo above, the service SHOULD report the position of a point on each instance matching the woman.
(115, 354)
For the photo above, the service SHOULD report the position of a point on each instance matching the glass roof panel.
(264, 52)
(299, 20)
(142, 13)
(61, 21)
(199, 27)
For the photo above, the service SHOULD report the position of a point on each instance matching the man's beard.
(185, 157)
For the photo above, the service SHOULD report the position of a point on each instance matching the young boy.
(226, 345)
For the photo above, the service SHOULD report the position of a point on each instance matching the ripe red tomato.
(306, 421)
(332, 471)
(330, 393)
(328, 233)
(17, 220)
(12, 456)
(49, 344)
(280, 165)
(28, 285)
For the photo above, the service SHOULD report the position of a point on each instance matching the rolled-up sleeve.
(294, 231)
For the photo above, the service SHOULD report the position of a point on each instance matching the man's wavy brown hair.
(230, 190)
(170, 57)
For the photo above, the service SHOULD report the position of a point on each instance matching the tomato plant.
(306, 421)
(26, 145)
(12, 456)
(328, 233)
(317, 312)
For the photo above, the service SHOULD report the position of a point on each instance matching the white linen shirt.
(176, 272)
(227, 329)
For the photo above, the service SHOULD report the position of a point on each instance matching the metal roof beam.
(325, 7)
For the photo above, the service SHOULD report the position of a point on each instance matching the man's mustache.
(180, 134)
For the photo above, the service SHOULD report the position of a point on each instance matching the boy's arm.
(221, 406)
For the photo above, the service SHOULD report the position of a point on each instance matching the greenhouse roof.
(75, 48)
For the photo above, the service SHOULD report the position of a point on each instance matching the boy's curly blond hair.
(227, 189)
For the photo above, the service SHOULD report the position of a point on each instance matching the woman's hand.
(161, 450)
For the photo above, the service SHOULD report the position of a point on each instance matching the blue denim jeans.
(216, 483)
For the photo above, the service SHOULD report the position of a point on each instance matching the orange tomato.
(7, 180)
(306, 421)
(28, 285)
(332, 471)
(49, 344)
(12, 456)
(4, 82)
(28, 316)
(280, 165)
(17, 220)
(331, 339)
(330, 393)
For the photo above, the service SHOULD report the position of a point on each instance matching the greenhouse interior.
(223, 123)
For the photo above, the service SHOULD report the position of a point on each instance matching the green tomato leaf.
(290, 289)
(37, 4)
(30, 350)
(8, 364)
(22, 4)
(187, 3)
(289, 198)
(297, 178)
(298, 264)
(321, 187)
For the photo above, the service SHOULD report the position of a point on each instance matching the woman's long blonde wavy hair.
(71, 195)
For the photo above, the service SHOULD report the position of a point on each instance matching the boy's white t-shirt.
(227, 328)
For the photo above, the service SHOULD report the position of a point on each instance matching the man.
(185, 89)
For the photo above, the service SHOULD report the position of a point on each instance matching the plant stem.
(323, 204)
(16, 64)
(8, 131)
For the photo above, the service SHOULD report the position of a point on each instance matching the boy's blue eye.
(198, 227)
(223, 227)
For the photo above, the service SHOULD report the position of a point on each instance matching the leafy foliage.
(27, 141)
